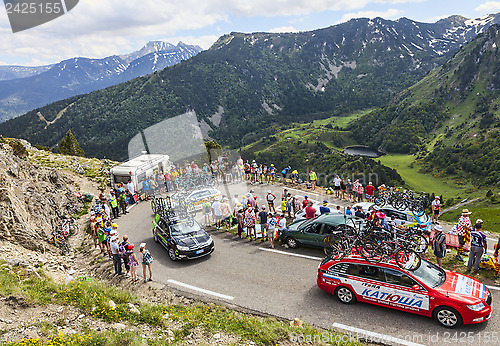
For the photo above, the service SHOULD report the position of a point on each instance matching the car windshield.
(182, 227)
(429, 274)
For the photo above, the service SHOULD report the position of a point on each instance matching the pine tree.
(69, 146)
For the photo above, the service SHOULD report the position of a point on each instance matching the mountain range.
(246, 83)
(25, 88)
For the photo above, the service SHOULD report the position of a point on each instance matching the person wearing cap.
(312, 178)
(436, 205)
(263, 222)
(324, 209)
(133, 262)
(271, 228)
(270, 197)
(360, 192)
(206, 208)
(115, 251)
(310, 211)
(235, 201)
(478, 246)
(147, 259)
(463, 229)
(439, 245)
(305, 202)
(271, 171)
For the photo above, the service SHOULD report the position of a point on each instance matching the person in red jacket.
(369, 191)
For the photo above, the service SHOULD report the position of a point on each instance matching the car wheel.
(171, 254)
(345, 295)
(291, 242)
(448, 317)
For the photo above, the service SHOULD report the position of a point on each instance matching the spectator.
(123, 249)
(370, 190)
(207, 211)
(439, 245)
(123, 202)
(324, 209)
(271, 229)
(360, 193)
(312, 178)
(117, 261)
(343, 188)
(360, 213)
(250, 222)
(463, 228)
(281, 224)
(310, 211)
(147, 259)
(348, 211)
(216, 213)
(478, 246)
(263, 222)
(305, 202)
(336, 186)
(348, 188)
(145, 187)
(113, 201)
(283, 205)
(337, 210)
(270, 201)
(496, 248)
(133, 262)
(239, 218)
(225, 212)
(436, 205)
(130, 187)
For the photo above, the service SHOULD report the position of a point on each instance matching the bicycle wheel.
(334, 246)
(371, 251)
(408, 259)
(419, 243)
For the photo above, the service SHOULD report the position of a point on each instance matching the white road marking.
(374, 337)
(291, 254)
(194, 288)
(493, 288)
(130, 207)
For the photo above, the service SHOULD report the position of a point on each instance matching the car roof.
(354, 258)
(334, 219)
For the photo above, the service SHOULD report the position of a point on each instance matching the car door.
(310, 235)
(162, 232)
(405, 293)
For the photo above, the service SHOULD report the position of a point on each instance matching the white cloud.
(389, 14)
(97, 28)
(284, 29)
(488, 7)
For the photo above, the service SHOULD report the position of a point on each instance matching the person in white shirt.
(336, 182)
(216, 212)
(436, 206)
(281, 224)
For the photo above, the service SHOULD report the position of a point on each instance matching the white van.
(138, 168)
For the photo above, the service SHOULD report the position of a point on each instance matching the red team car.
(451, 298)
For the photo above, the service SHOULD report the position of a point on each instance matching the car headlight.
(476, 307)
(182, 248)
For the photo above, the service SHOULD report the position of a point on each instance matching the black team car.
(184, 239)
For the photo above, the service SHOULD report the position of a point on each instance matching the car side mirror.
(416, 287)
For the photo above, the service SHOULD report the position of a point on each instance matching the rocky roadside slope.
(33, 191)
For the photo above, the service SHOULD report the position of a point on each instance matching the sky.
(99, 28)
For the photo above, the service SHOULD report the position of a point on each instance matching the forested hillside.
(247, 82)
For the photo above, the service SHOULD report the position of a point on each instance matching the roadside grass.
(450, 262)
(93, 297)
(408, 168)
(481, 209)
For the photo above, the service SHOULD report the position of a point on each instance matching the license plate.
(200, 251)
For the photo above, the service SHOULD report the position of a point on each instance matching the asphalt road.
(279, 283)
